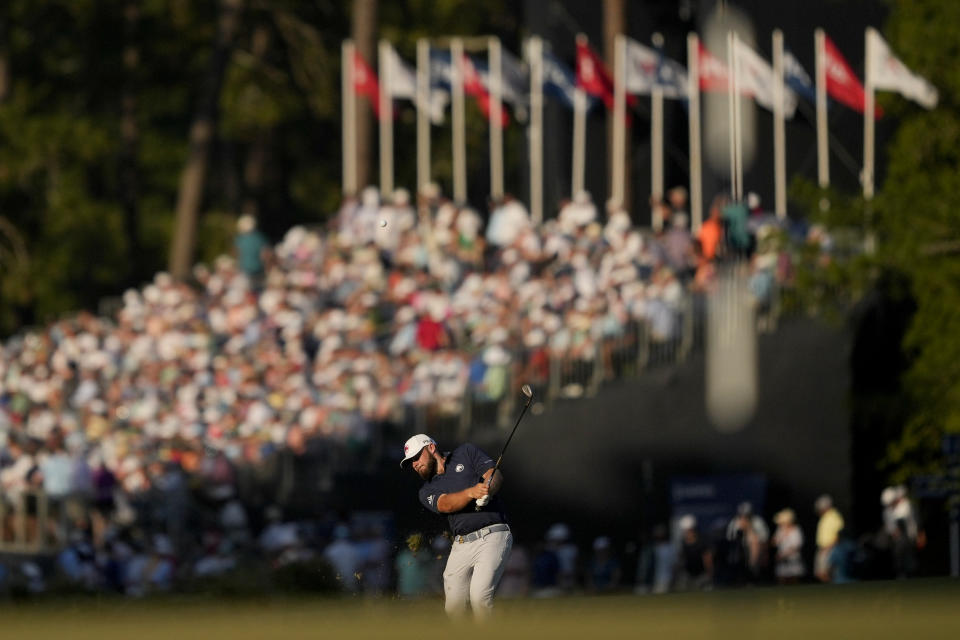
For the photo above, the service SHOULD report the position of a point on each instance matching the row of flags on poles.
(647, 69)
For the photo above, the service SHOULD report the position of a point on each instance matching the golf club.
(528, 392)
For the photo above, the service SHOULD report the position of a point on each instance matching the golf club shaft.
(507, 443)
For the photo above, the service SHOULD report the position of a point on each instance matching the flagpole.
(868, 141)
(349, 106)
(579, 133)
(496, 111)
(868, 119)
(423, 114)
(693, 94)
(459, 123)
(619, 117)
(779, 129)
(386, 120)
(535, 57)
(820, 71)
(579, 139)
(738, 114)
(656, 144)
(731, 114)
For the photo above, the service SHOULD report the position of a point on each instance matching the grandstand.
(351, 333)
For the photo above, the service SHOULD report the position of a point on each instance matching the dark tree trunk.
(130, 137)
(4, 62)
(202, 132)
(255, 167)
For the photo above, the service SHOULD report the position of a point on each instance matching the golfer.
(459, 484)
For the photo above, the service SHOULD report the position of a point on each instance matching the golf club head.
(526, 391)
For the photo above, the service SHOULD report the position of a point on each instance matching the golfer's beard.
(428, 470)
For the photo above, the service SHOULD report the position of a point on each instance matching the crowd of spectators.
(388, 311)
(742, 551)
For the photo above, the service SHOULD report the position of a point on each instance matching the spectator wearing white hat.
(905, 533)
(788, 543)
(507, 219)
(558, 539)
(695, 562)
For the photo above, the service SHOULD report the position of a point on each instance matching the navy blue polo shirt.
(464, 468)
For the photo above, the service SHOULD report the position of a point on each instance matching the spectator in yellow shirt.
(830, 524)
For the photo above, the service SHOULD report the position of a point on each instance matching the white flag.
(888, 73)
(756, 78)
(648, 68)
(401, 82)
(514, 82)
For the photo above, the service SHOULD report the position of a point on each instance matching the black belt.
(482, 533)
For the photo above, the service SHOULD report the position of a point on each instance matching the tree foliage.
(916, 220)
(918, 212)
(64, 240)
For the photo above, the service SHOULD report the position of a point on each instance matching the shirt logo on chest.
(459, 468)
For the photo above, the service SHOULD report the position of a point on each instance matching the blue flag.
(796, 77)
(441, 72)
(560, 82)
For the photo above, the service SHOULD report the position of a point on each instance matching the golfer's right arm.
(452, 502)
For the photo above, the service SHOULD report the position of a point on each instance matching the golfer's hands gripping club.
(483, 497)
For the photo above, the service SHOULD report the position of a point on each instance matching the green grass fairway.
(918, 609)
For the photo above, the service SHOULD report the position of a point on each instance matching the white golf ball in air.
(383, 224)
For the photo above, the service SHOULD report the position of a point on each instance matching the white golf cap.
(413, 447)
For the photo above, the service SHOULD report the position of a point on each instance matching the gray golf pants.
(473, 571)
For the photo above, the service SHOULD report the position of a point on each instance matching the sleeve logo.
(459, 468)
(430, 500)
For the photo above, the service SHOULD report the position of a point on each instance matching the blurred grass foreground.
(914, 609)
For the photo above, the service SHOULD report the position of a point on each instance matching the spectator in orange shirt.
(711, 231)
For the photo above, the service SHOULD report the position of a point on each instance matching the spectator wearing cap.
(828, 528)
(788, 544)
(558, 537)
(547, 565)
(748, 535)
(696, 559)
(603, 572)
(343, 555)
(905, 533)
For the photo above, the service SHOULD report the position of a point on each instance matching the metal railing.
(27, 525)
(629, 352)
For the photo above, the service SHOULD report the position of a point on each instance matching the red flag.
(713, 72)
(473, 86)
(365, 81)
(593, 77)
(842, 83)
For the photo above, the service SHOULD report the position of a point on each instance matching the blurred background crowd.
(170, 422)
